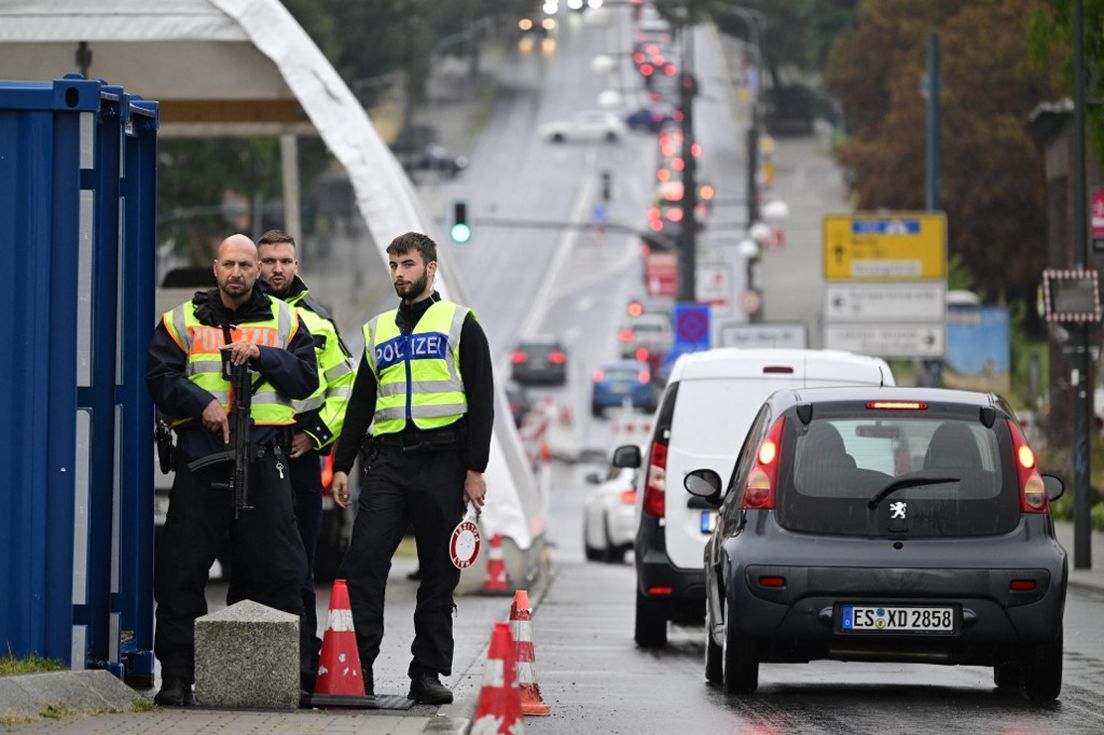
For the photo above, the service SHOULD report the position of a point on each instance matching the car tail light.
(660, 590)
(638, 58)
(655, 225)
(674, 214)
(599, 376)
(635, 308)
(628, 497)
(642, 353)
(772, 581)
(669, 149)
(763, 480)
(1033, 496)
(678, 164)
(663, 174)
(897, 406)
(651, 49)
(647, 69)
(695, 149)
(625, 335)
(518, 358)
(655, 489)
(677, 115)
(644, 377)
(669, 70)
(557, 358)
(653, 212)
(659, 59)
(1022, 585)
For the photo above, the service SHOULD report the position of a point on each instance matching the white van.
(707, 407)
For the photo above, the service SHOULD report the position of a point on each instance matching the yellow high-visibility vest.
(417, 374)
(201, 342)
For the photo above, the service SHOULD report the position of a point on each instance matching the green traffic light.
(460, 232)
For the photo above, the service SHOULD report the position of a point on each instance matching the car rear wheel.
(592, 554)
(740, 660)
(1042, 671)
(651, 623)
(714, 661)
(611, 137)
(596, 411)
(557, 137)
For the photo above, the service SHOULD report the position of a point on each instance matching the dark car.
(622, 381)
(886, 524)
(651, 118)
(539, 360)
(520, 403)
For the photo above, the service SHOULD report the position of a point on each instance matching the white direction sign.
(762, 334)
(861, 301)
(887, 340)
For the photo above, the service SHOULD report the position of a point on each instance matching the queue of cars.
(830, 515)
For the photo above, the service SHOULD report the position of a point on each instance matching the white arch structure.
(251, 59)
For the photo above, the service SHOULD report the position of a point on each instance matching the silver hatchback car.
(885, 524)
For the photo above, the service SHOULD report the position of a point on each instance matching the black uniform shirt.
(291, 371)
(475, 372)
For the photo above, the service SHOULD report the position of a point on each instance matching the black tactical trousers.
(425, 488)
(267, 561)
(306, 492)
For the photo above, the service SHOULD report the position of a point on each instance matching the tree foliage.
(992, 183)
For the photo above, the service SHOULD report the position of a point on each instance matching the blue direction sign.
(692, 327)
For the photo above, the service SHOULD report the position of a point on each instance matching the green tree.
(992, 185)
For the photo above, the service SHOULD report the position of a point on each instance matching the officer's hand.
(475, 488)
(242, 351)
(340, 489)
(301, 443)
(214, 418)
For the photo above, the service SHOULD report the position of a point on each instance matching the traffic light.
(460, 231)
(607, 186)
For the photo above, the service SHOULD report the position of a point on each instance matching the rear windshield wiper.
(906, 482)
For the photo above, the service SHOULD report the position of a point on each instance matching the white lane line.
(542, 300)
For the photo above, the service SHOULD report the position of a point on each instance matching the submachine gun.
(241, 451)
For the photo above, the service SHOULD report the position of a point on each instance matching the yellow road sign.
(885, 247)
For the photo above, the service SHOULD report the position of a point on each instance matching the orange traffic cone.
(498, 711)
(339, 664)
(531, 703)
(495, 582)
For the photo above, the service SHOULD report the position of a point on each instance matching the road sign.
(887, 340)
(691, 327)
(714, 283)
(789, 335)
(885, 247)
(872, 301)
(661, 274)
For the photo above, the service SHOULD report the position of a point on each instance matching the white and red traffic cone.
(522, 629)
(339, 664)
(498, 711)
(495, 582)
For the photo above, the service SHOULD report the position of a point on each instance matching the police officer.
(318, 419)
(185, 378)
(425, 385)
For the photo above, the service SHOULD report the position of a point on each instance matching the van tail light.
(625, 335)
(1033, 495)
(762, 482)
(655, 489)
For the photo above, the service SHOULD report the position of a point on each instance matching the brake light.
(557, 358)
(678, 164)
(599, 376)
(518, 358)
(647, 69)
(769, 369)
(669, 70)
(655, 489)
(635, 308)
(1033, 497)
(695, 149)
(644, 377)
(763, 479)
(656, 225)
(625, 334)
(772, 581)
(897, 405)
(638, 58)
(628, 497)
(1022, 585)
(675, 214)
(663, 174)
(642, 353)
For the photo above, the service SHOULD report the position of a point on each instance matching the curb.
(455, 718)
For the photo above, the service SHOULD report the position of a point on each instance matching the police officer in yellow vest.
(318, 418)
(184, 377)
(425, 386)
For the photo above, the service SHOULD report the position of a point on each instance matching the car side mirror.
(705, 484)
(1054, 487)
(594, 478)
(627, 456)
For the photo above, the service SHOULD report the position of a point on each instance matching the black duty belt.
(411, 441)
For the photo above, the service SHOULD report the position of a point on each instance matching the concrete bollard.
(247, 656)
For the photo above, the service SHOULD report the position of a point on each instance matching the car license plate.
(890, 619)
(619, 388)
(708, 521)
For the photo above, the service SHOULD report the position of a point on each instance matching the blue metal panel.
(134, 601)
(77, 206)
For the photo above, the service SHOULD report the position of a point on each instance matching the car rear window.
(538, 350)
(622, 374)
(947, 471)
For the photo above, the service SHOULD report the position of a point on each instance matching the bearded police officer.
(185, 377)
(318, 418)
(425, 386)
